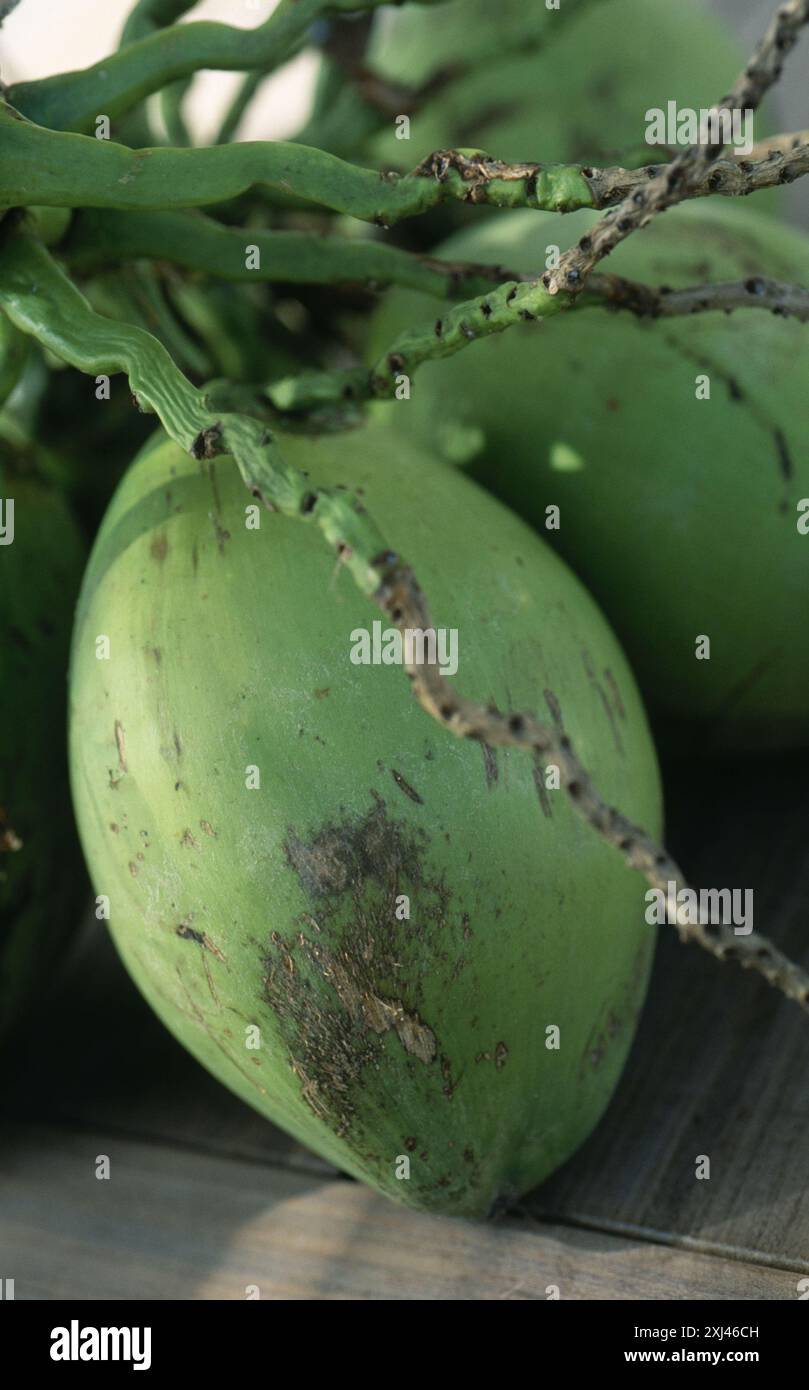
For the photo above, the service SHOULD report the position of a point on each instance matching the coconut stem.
(524, 301)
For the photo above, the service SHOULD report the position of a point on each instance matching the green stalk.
(148, 17)
(41, 301)
(504, 306)
(230, 121)
(55, 168)
(72, 100)
(197, 242)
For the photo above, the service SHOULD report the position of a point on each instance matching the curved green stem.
(230, 121)
(135, 295)
(526, 301)
(197, 242)
(72, 100)
(148, 17)
(171, 109)
(56, 168)
(41, 301)
(511, 303)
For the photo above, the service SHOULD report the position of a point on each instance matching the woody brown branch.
(757, 292)
(780, 160)
(688, 170)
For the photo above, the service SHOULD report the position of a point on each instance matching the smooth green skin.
(582, 95)
(41, 884)
(681, 519)
(232, 652)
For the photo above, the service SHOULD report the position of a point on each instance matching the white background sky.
(46, 36)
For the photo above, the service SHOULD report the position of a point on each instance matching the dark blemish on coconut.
(120, 741)
(784, 456)
(411, 1145)
(616, 694)
(406, 787)
(450, 1087)
(159, 548)
(490, 767)
(133, 868)
(178, 747)
(734, 389)
(221, 535)
(114, 827)
(339, 996)
(322, 693)
(607, 707)
(208, 828)
(188, 841)
(216, 515)
(194, 557)
(157, 655)
(187, 933)
(554, 708)
(373, 850)
(500, 1055)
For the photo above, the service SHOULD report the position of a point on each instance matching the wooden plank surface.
(171, 1224)
(720, 1065)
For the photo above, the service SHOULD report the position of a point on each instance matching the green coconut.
(41, 875)
(527, 83)
(680, 513)
(367, 929)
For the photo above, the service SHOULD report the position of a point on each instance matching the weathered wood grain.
(169, 1224)
(721, 1064)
